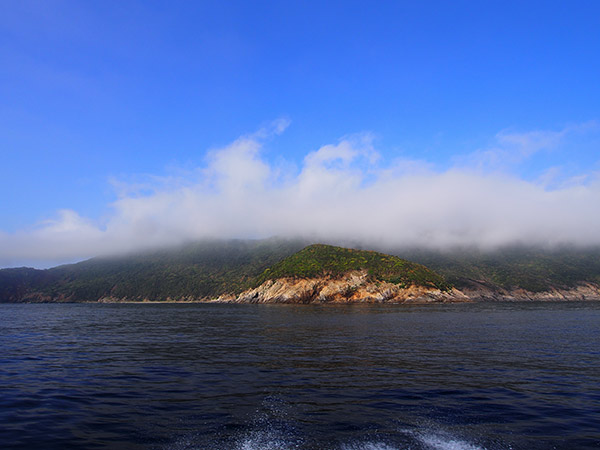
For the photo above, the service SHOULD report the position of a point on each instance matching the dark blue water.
(265, 377)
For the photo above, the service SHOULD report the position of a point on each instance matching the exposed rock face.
(38, 297)
(481, 291)
(357, 287)
(353, 286)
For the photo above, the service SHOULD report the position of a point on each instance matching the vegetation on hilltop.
(534, 269)
(209, 269)
(17, 282)
(194, 271)
(318, 259)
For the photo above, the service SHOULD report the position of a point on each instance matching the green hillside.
(16, 283)
(208, 269)
(319, 259)
(532, 268)
(194, 271)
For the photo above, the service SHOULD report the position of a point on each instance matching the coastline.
(353, 288)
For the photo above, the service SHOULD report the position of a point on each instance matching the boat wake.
(271, 429)
(273, 440)
(443, 441)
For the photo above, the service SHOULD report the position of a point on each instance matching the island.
(292, 271)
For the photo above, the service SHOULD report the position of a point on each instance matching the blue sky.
(99, 98)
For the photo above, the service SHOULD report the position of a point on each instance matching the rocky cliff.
(289, 272)
(482, 291)
(357, 287)
(353, 286)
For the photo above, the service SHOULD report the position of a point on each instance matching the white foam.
(441, 442)
(368, 446)
(268, 438)
(266, 443)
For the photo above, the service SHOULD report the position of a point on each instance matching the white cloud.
(341, 192)
(510, 148)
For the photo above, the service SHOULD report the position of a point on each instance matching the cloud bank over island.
(341, 192)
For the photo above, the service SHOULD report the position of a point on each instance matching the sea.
(516, 375)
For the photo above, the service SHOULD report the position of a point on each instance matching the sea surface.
(266, 377)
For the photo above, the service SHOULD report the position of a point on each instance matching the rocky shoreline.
(481, 291)
(358, 287)
(355, 287)
(352, 287)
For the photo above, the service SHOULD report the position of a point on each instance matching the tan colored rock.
(352, 287)
(480, 291)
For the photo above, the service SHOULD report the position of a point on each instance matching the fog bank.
(341, 192)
